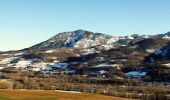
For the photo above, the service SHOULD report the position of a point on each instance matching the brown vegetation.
(51, 95)
(4, 84)
(111, 87)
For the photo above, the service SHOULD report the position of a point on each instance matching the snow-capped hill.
(78, 38)
(84, 39)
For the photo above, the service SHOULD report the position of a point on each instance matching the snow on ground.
(9, 60)
(77, 55)
(85, 43)
(89, 51)
(59, 65)
(2, 68)
(47, 68)
(150, 50)
(49, 51)
(69, 71)
(135, 74)
(166, 37)
(67, 91)
(112, 40)
(130, 37)
(145, 36)
(23, 63)
(19, 54)
(39, 66)
(56, 61)
(107, 47)
(36, 69)
(108, 65)
(5, 54)
(102, 71)
(167, 65)
(77, 35)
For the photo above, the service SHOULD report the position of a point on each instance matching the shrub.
(6, 84)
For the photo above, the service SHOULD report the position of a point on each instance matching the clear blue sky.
(27, 22)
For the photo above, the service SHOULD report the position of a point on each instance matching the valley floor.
(51, 95)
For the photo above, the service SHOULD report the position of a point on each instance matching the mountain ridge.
(83, 39)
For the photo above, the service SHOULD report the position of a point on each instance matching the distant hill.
(84, 39)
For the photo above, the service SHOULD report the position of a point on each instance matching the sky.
(24, 23)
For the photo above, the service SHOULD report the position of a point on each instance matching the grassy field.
(51, 95)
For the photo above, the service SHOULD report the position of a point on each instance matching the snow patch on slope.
(85, 43)
(112, 40)
(76, 36)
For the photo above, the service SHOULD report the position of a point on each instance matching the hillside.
(85, 39)
(78, 38)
